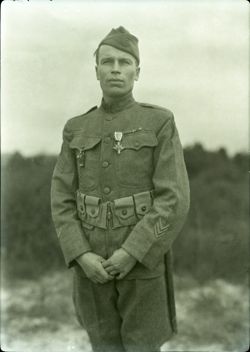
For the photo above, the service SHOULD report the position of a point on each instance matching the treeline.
(212, 244)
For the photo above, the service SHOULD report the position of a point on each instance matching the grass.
(39, 316)
(212, 317)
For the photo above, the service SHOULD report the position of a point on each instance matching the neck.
(118, 103)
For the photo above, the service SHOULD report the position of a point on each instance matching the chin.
(116, 92)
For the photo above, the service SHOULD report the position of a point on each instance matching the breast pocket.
(87, 154)
(134, 165)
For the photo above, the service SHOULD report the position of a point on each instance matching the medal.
(118, 137)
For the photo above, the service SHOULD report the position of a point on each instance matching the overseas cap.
(121, 39)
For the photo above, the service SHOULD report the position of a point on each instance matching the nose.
(116, 67)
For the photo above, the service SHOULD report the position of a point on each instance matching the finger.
(121, 276)
(109, 277)
(92, 279)
(114, 272)
(106, 264)
(104, 275)
(96, 278)
(100, 279)
(110, 269)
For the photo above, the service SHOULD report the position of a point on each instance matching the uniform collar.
(119, 104)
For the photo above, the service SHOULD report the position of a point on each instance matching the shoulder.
(160, 114)
(158, 111)
(155, 107)
(73, 123)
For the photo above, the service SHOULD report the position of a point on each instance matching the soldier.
(120, 196)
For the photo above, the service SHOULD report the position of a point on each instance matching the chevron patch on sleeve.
(160, 228)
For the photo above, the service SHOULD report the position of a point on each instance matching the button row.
(106, 190)
(108, 117)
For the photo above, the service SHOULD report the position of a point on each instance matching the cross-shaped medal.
(118, 137)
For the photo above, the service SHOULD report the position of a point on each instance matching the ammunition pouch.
(124, 211)
(143, 202)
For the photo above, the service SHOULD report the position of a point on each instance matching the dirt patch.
(39, 316)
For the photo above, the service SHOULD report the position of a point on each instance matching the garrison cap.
(121, 39)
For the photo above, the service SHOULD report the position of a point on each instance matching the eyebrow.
(113, 57)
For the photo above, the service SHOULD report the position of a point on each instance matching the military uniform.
(120, 182)
(136, 199)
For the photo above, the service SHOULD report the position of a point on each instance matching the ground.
(39, 316)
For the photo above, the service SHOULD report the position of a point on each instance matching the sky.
(194, 61)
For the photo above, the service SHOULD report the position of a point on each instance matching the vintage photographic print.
(124, 176)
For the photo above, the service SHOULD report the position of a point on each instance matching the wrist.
(129, 255)
(82, 257)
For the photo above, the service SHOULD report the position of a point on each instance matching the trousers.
(123, 315)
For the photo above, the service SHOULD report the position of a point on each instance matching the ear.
(97, 73)
(137, 73)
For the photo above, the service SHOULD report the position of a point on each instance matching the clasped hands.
(99, 270)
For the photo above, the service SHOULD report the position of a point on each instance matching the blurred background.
(195, 58)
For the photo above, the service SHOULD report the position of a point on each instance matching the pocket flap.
(143, 203)
(82, 142)
(124, 207)
(92, 206)
(140, 139)
(80, 204)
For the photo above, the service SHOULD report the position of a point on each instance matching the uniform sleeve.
(63, 204)
(154, 234)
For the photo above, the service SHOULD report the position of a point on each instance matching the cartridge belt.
(117, 213)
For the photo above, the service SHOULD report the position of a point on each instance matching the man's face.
(116, 70)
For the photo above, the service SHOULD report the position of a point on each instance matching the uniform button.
(107, 139)
(124, 212)
(106, 190)
(105, 164)
(143, 208)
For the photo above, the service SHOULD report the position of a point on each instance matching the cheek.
(102, 79)
(131, 77)
(129, 73)
(101, 74)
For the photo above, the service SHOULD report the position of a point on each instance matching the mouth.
(115, 80)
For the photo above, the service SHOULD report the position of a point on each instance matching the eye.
(125, 62)
(106, 61)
